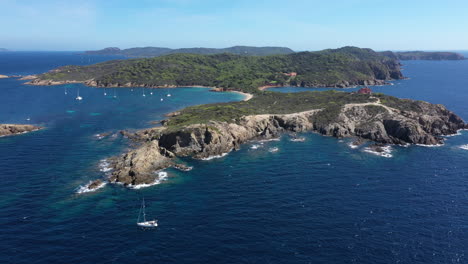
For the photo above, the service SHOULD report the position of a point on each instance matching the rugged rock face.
(138, 166)
(372, 121)
(9, 129)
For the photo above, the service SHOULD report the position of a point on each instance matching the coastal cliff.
(381, 119)
(12, 129)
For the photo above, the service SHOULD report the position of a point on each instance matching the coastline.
(247, 96)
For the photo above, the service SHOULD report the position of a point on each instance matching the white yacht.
(145, 223)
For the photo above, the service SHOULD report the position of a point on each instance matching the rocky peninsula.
(12, 129)
(213, 130)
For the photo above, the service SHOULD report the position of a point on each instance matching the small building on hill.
(365, 90)
(292, 74)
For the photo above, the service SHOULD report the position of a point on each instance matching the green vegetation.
(269, 103)
(156, 51)
(423, 55)
(336, 68)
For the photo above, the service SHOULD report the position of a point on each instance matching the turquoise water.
(316, 201)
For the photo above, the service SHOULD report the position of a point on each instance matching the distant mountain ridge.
(423, 55)
(144, 52)
(158, 51)
(3, 49)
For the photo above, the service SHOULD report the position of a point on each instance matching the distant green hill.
(156, 51)
(328, 68)
(423, 55)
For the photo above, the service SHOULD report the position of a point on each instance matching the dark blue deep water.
(317, 201)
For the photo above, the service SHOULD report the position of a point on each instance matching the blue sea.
(317, 201)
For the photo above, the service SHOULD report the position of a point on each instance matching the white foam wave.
(430, 146)
(351, 145)
(386, 151)
(85, 188)
(299, 139)
(215, 156)
(162, 176)
(268, 140)
(104, 166)
(465, 147)
(274, 149)
(99, 136)
(255, 146)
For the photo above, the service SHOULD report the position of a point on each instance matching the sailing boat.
(66, 90)
(115, 96)
(78, 97)
(144, 92)
(105, 92)
(146, 224)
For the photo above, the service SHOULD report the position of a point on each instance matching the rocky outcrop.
(4, 76)
(372, 121)
(10, 129)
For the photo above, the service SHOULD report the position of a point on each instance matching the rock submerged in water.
(367, 121)
(11, 129)
(95, 185)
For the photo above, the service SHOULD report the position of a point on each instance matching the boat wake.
(162, 176)
(86, 189)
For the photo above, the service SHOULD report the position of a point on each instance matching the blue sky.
(298, 24)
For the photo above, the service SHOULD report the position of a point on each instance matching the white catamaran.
(145, 224)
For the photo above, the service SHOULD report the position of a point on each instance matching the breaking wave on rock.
(85, 188)
(385, 151)
(104, 166)
(162, 176)
(215, 156)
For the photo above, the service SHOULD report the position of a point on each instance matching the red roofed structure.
(365, 90)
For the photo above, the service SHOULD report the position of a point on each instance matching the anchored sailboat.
(145, 224)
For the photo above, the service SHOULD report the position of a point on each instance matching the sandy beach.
(247, 96)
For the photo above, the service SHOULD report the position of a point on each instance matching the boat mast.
(144, 211)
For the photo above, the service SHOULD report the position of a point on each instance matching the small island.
(14, 129)
(344, 67)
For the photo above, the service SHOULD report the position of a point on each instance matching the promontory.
(14, 129)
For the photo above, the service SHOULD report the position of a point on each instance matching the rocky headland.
(13, 129)
(381, 119)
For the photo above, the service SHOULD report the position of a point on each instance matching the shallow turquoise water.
(316, 201)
